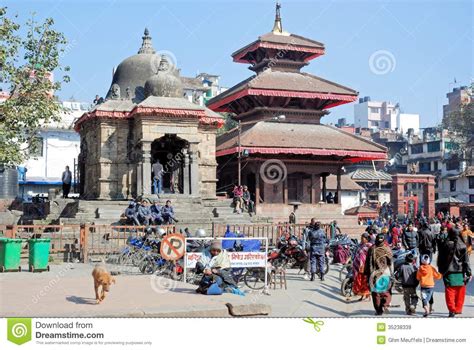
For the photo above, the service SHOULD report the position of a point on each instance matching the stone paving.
(67, 291)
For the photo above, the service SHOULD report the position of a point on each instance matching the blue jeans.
(157, 185)
(317, 263)
(427, 296)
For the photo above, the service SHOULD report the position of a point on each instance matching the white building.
(377, 115)
(201, 88)
(59, 145)
(351, 192)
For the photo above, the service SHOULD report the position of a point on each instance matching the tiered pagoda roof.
(280, 88)
(277, 58)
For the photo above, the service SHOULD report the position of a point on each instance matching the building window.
(425, 167)
(374, 110)
(471, 181)
(416, 149)
(471, 198)
(434, 146)
(435, 165)
(387, 125)
(452, 165)
(452, 185)
(36, 149)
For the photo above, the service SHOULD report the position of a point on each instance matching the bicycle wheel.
(254, 278)
(346, 287)
(343, 271)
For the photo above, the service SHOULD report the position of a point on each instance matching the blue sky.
(427, 44)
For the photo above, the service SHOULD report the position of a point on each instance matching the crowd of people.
(449, 239)
(141, 213)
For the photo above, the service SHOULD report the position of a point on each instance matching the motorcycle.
(289, 254)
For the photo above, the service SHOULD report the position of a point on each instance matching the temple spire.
(277, 27)
(147, 45)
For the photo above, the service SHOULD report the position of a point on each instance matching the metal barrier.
(271, 231)
(64, 238)
(79, 241)
(109, 239)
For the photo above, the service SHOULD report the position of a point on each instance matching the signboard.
(172, 246)
(237, 259)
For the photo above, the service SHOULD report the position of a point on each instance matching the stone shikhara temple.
(296, 149)
(145, 119)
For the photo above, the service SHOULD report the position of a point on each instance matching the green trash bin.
(38, 258)
(10, 250)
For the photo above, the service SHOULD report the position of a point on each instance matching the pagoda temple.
(280, 150)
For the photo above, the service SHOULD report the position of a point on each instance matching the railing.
(64, 238)
(79, 241)
(271, 231)
(108, 239)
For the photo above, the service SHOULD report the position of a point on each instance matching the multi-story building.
(377, 115)
(201, 88)
(458, 97)
(59, 146)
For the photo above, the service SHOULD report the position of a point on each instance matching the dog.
(102, 278)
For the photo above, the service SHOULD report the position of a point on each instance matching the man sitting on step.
(144, 213)
(167, 212)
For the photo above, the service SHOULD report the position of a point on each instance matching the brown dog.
(101, 278)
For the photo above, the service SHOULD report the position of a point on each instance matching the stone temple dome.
(130, 76)
(166, 82)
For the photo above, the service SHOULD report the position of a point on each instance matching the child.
(427, 275)
(408, 278)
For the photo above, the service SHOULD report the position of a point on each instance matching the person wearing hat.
(214, 262)
(427, 238)
(407, 273)
(131, 213)
(316, 244)
(427, 274)
(377, 269)
(361, 286)
(156, 215)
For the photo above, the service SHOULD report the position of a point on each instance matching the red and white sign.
(237, 259)
(173, 246)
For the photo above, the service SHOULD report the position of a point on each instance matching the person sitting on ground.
(215, 265)
(156, 213)
(131, 214)
(237, 192)
(144, 213)
(167, 212)
(247, 200)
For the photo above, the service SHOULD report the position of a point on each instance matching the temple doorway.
(170, 151)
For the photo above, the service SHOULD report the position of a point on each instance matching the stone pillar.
(338, 187)
(186, 179)
(257, 187)
(285, 190)
(429, 197)
(324, 175)
(144, 171)
(194, 161)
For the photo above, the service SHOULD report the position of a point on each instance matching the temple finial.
(277, 27)
(147, 45)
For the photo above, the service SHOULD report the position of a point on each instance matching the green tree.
(229, 124)
(27, 62)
